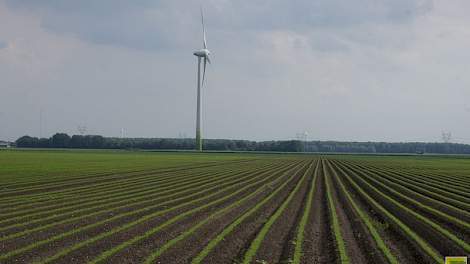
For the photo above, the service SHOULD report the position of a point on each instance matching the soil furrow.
(230, 249)
(183, 251)
(318, 245)
(279, 241)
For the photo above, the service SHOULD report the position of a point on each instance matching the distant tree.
(76, 141)
(97, 142)
(44, 143)
(27, 142)
(60, 140)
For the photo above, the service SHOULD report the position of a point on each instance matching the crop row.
(433, 238)
(301, 209)
(226, 194)
(176, 199)
(143, 200)
(149, 184)
(92, 184)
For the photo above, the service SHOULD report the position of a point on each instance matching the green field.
(83, 206)
(21, 165)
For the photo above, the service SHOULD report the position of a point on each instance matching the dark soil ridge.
(52, 248)
(62, 228)
(88, 201)
(125, 173)
(97, 192)
(231, 248)
(184, 250)
(432, 202)
(459, 231)
(288, 250)
(364, 240)
(461, 175)
(450, 181)
(455, 202)
(141, 205)
(397, 241)
(103, 180)
(121, 198)
(117, 196)
(389, 175)
(348, 230)
(420, 255)
(90, 251)
(71, 193)
(318, 245)
(444, 245)
(279, 239)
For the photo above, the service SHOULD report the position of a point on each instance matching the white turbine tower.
(202, 54)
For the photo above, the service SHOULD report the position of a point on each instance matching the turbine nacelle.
(204, 53)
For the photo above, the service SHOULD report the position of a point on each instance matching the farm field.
(144, 207)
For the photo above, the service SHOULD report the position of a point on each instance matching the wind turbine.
(202, 54)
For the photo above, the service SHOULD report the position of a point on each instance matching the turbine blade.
(204, 72)
(208, 59)
(203, 30)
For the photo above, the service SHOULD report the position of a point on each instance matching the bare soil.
(277, 247)
(318, 245)
(89, 252)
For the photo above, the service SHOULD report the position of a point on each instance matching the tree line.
(63, 140)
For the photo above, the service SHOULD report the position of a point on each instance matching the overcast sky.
(378, 70)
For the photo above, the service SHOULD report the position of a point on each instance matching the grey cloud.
(329, 43)
(348, 70)
(120, 23)
(151, 24)
(3, 44)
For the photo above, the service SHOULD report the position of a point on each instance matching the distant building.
(5, 144)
